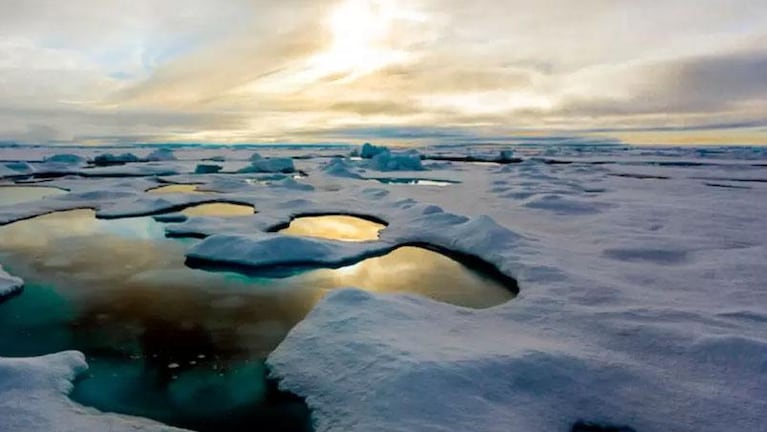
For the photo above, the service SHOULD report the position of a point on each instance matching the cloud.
(711, 83)
(259, 70)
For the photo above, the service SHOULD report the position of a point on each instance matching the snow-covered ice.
(9, 284)
(161, 154)
(33, 398)
(641, 277)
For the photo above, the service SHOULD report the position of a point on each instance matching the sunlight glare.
(365, 36)
(361, 33)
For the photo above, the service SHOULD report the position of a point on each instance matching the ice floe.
(33, 398)
(640, 284)
(269, 165)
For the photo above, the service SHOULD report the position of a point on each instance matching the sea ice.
(640, 304)
(269, 165)
(65, 158)
(112, 159)
(33, 398)
(161, 154)
(400, 161)
(207, 169)
(368, 150)
(338, 167)
(9, 284)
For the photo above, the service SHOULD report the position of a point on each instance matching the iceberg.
(107, 159)
(369, 150)
(207, 169)
(65, 158)
(402, 161)
(269, 165)
(161, 154)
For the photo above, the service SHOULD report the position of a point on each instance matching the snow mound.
(338, 167)
(9, 284)
(33, 398)
(269, 165)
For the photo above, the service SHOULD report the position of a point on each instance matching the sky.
(392, 71)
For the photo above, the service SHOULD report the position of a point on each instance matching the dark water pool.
(414, 181)
(184, 346)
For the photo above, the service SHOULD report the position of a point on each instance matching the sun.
(364, 36)
(357, 24)
(360, 38)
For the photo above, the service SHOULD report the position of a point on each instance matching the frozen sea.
(636, 281)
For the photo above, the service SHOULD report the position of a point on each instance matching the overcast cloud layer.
(654, 72)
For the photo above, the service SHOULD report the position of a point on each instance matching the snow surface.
(641, 271)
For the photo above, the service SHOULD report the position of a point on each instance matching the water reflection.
(413, 270)
(180, 345)
(161, 339)
(10, 195)
(338, 227)
(220, 210)
(176, 188)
